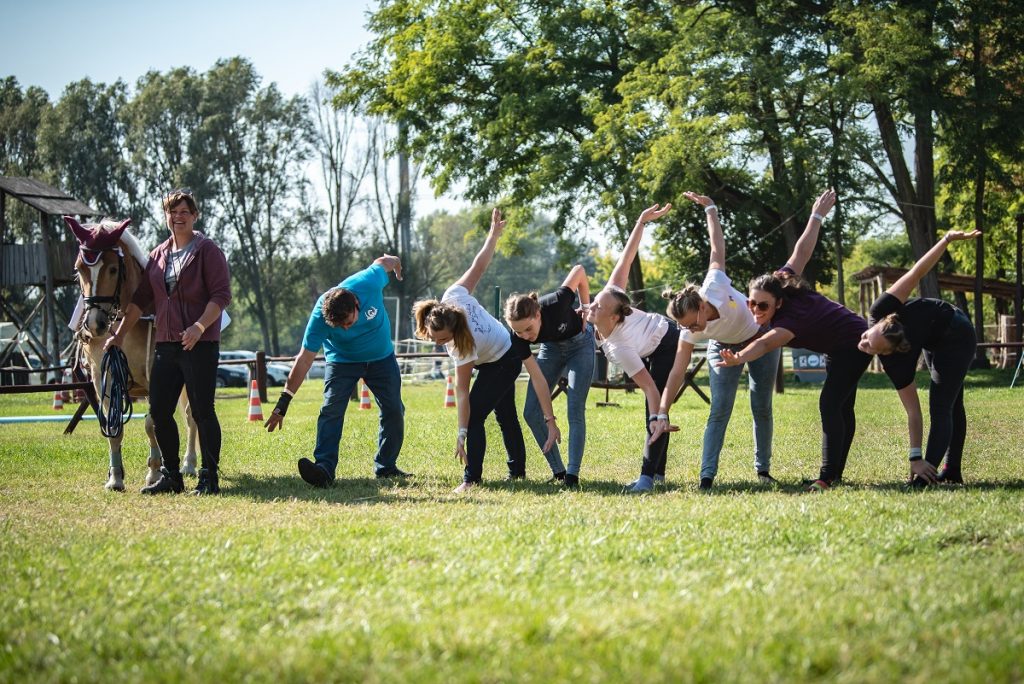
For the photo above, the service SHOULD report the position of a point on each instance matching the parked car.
(232, 376)
(317, 370)
(277, 373)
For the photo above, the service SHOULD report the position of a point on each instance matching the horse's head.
(103, 269)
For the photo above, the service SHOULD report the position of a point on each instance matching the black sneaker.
(765, 478)
(572, 481)
(391, 472)
(313, 474)
(706, 483)
(169, 483)
(513, 477)
(557, 478)
(945, 476)
(208, 483)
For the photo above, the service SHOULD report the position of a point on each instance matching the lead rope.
(115, 379)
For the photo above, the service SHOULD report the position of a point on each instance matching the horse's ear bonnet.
(93, 240)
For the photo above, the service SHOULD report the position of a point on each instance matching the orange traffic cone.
(255, 407)
(449, 393)
(58, 401)
(364, 397)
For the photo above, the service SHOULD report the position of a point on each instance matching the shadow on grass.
(360, 490)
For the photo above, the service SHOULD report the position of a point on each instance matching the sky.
(51, 43)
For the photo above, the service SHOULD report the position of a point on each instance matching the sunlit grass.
(404, 581)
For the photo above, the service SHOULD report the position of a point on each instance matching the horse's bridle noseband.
(98, 301)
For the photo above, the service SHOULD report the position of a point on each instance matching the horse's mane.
(134, 249)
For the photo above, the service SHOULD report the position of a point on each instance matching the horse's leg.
(189, 461)
(115, 479)
(155, 457)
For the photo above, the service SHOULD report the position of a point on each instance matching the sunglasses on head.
(187, 192)
(760, 306)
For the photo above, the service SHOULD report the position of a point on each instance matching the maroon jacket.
(204, 278)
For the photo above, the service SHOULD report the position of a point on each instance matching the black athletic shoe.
(706, 483)
(513, 477)
(572, 481)
(391, 472)
(947, 477)
(765, 478)
(169, 483)
(208, 483)
(313, 474)
(919, 483)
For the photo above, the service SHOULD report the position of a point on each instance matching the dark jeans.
(836, 404)
(385, 382)
(948, 363)
(494, 390)
(197, 371)
(659, 364)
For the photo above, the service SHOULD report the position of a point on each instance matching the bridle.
(108, 304)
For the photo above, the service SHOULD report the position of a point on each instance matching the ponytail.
(520, 306)
(433, 316)
(894, 333)
(683, 301)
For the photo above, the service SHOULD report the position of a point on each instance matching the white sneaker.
(464, 487)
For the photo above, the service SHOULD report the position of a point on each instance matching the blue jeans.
(724, 382)
(385, 382)
(573, 358)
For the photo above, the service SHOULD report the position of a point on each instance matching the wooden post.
(261, 374)
(50, 320)
(1020, 290)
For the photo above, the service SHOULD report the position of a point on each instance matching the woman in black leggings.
(802, 318)
(903, 326)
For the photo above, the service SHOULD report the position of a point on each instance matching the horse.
(110, 266)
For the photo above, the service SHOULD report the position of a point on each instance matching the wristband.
(707, 209)
(288, 391)
(282, 404)
(202, 328)
(915, 454)
(821, 219)
(548, 419)
(463, 433)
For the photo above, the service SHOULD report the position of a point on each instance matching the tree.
(256, 142)
(21, 113)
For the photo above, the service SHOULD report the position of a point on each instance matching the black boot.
(169, 483)
(208, 483)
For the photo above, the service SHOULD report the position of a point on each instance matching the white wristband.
(707, 209)
(288, 391)
(915, 453)
(821, 219)
(202, 328)
(463, 432)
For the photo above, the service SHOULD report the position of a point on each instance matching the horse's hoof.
(115, 481)
(189, 469)
(152, 477)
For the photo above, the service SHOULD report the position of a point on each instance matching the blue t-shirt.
(369, 338)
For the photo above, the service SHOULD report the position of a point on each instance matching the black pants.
(659, 364)
(196, 369)
(494, 390)
(836, 404)
(948, 363)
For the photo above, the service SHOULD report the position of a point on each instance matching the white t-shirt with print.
(735, 323)
(491, 337)
(635, 338)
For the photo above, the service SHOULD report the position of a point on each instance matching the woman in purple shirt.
(800, 317)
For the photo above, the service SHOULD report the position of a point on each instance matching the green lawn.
(275, 581)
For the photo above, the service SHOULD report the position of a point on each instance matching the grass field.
(276, 581)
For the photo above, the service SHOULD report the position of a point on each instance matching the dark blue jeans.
(196, 369)
(385, 382)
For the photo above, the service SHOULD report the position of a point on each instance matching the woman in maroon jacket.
(188, 285)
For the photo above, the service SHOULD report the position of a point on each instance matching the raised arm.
(578, 283)
(620, 274)
(902, 288)
(715, 236)
(805, 245)
(391, 264)
(482, 260)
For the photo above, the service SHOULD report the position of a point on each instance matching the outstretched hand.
(702, 200)
(554, 437)
(824, 204)
(653, 213)
(274, 422)
(954, 235)
(391, 263)
(497, 223)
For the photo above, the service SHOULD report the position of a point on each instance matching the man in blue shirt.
(350, 323)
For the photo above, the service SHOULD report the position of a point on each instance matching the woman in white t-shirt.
(475, 339)
(642, 344)
(717, 312)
